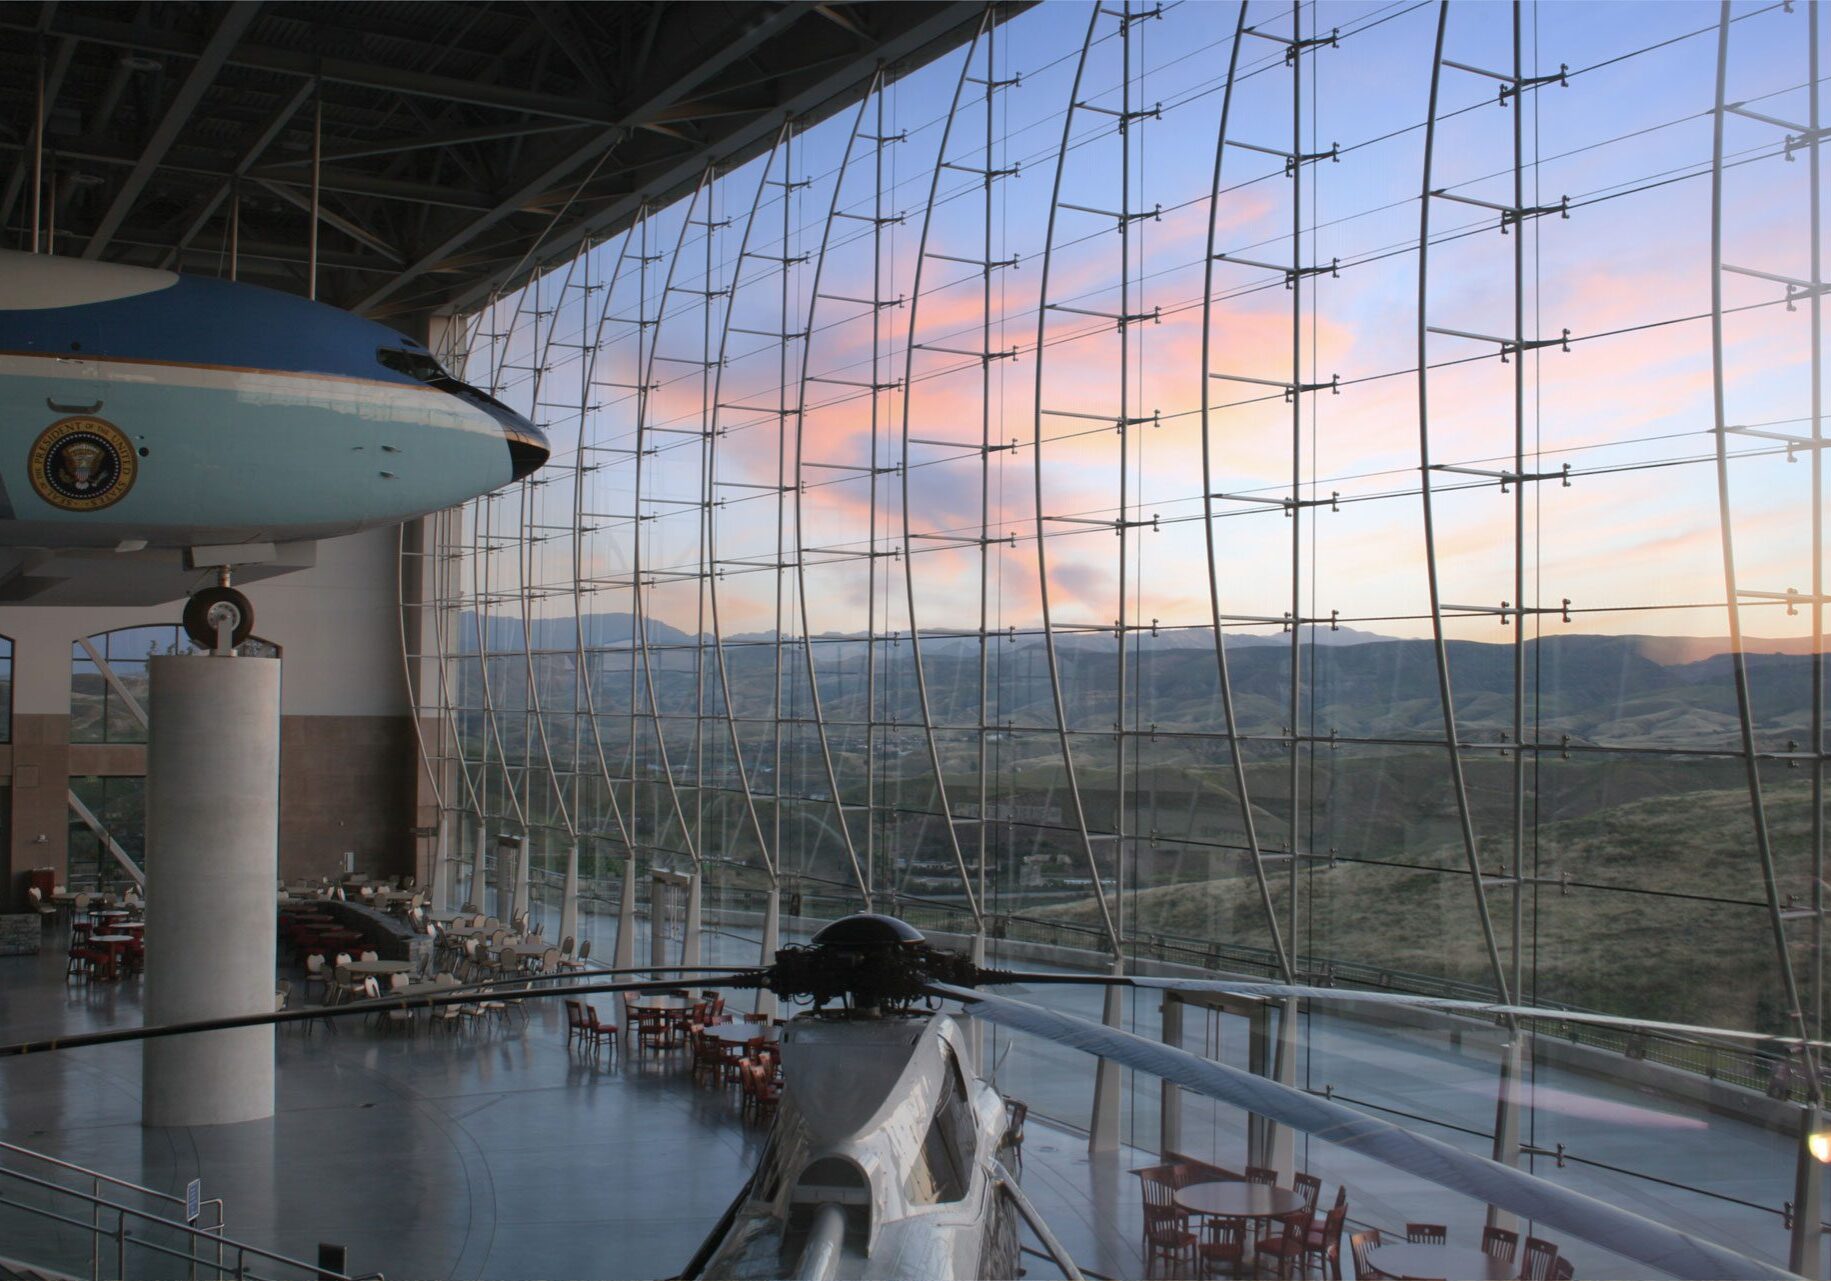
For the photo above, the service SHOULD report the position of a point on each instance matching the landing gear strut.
(219, 618)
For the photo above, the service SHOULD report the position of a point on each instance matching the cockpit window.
(942, 1169)
(415, 364)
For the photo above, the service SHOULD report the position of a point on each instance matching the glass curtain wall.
(1331, 492)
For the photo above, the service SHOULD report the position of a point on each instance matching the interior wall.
(347, 765)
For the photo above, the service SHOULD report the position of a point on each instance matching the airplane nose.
(528, 447)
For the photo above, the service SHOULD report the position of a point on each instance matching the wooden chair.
(1498, 1243)
(575, 1023)
(1309, 1187)
(1426, 1233)
(1166, 1225)
(600, 1032)
(1358, 1245)
(1202, 1171)
(1285, 1247)
(1259, 1174)
(1540, 1258)
(1222, 1246)
(1563, 1269)
(1323, 1243)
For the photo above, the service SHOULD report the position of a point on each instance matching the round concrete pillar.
(212, 837)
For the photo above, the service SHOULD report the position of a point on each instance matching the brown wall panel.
(346, 783)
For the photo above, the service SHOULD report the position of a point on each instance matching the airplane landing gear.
(218, 614)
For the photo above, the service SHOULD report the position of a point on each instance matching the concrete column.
(1284, 1071)
(657, 921)
(212, 842)
(1170, 1104)
(438, 896)
(1506, 1126)
(569, 905)
(477, 882)
(766, 954)
(689, 937)
(1103, 1131)
(625, 956)
(1805, 1246)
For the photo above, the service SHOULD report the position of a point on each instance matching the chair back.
(549, 960)
(35, 894)
(1332, 1226)
(1427, 1233)
(565, 946)
(1498, 1243)
(371, 989)
(1309, 1187)
(585, 950)
(1260, 1174)
(1563, 1269)
(1158, 1183)
(370, 955)
(343, 958)
(314, 964)
(1358, 1245)
(397, 981)
(1541, 1257)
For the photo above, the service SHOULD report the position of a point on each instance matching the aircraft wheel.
(212, 606)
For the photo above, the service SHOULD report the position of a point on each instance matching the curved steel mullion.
(1042, 552)
(800, 411)
(1452, 744)
(915, 631)
(527, 548)
(771, 858)
(639, 619)
(479, 583)
(586, 375)
(1738, 660)
(1208, 518)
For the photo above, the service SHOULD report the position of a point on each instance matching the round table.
(114, 942)
(1236, 1199)
(744, 1033)
(1465, 1262)
(378, 969)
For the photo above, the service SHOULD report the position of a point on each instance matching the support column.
(1170, 1103)
(523, 850)
(212, 853)
(569, 905)
(1806, 1252)
(1506, 1126)
(766, 954)
(689, 936)
(625, 956)
(657, 921)
(1282, 1151)
(1103, 1130)
(438, 897)
(478, 883)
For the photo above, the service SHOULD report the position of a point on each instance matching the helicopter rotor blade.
(1675, 1253)
(429, 1000)
(1286, 991)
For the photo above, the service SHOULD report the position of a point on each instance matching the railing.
(113, 1228)
(1748, 1068)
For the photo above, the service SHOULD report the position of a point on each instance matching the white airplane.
(150, 410)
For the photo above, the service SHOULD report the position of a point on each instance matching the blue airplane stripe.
(204, 321)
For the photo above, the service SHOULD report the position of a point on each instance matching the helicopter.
(883, 1111)
(155, 414)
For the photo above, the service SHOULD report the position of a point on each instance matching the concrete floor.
(509, 1156)
(504, 1156)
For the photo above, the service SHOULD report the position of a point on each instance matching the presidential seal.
(82, 464)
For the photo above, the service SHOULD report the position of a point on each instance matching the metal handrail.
(100, 1205)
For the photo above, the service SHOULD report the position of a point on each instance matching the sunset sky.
(1628, 408)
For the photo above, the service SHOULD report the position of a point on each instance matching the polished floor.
(508, 1156)
(498, 1156)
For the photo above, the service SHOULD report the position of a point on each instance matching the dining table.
(1411, 1260)
(114, 943)
(744, 1033)
(378, 969)
(1237, 1199)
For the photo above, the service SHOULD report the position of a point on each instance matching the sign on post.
(193, 1200)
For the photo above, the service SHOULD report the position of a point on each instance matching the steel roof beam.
(229, 31)
(849, 76)
(54, 80)
(742, 47)
(275, 125)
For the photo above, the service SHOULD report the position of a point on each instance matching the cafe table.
(114, 943)
(1409, 1259)
(1237, 1199)
(378, 969)
(744, 1033)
